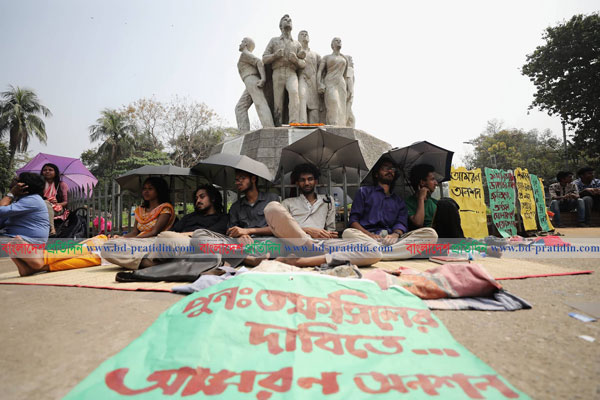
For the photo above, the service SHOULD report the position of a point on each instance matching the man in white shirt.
(306, 220)
(315, 213)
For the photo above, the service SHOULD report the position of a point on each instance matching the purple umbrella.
(72, 170)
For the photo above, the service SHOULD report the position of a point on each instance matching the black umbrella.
(417, 153)
(327, 151)
(220, 168)
(132, 180)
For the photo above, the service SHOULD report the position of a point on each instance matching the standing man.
(282, 54)
(380, 215)
(589, 191)
(307, 82)
(252, 72)
(565, 197)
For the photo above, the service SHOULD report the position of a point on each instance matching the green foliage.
(566, 71)
(6, 173)
(140, 159)
(540, 153)
(20, 117)
(148, 132)
(115, 131)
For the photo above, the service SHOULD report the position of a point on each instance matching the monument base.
(265, 144)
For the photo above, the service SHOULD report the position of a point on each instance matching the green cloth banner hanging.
(501, 190)
(295, 336)
(540, 203)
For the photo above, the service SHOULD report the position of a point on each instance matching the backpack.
(75, 226)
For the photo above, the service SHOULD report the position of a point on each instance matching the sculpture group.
(318, 90)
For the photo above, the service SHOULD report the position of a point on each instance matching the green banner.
(296, 336)
(501, 190)
(540, 202)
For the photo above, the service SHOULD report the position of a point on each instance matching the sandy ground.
(53, 337)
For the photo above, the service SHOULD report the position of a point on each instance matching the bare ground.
(53, 337)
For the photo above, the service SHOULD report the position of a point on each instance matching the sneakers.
(583, 225)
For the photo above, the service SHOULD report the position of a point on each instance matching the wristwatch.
(10, 195)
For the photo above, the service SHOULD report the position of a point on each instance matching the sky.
(433, 70)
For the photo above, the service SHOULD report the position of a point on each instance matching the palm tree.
(116, 132)
(20, 111)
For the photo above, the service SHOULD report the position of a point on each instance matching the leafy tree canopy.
(540, 153)
(21, 113)
(566, 73)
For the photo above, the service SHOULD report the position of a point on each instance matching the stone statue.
(332, 81)
(282, 54)
(252, 72)
(350, 88)
(307, 82)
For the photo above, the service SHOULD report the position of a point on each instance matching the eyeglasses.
(240, 178)
(388, 168)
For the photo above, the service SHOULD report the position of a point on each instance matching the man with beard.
(314, 212)
(247, 214)
(246, 220)
(208, 215)
(208, 212)
(304, 221)
(380, 216)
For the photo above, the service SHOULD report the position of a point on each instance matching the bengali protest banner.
(296, 336)
(526, 199)
(501, 191)
(466, 188)
(540, 203)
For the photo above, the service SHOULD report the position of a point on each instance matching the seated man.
(589, 191)
(300, 220)
(565, 197)
(246, 219)
(208, 214)
(23, 212)
(314, 212)
(379, 215)
(425, 211)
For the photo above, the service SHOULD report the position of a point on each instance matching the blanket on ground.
(443, 285)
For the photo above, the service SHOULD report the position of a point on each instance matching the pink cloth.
(108, 225)
(448, 280)
(552, 240)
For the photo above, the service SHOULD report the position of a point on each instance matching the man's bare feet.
(291, 260)
(254, 261)
(302, 261)
(29, 265)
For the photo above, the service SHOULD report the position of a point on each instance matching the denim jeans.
(556, 206)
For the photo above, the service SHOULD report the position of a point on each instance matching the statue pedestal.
(265, 144)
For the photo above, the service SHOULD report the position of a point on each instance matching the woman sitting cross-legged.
(155, 214)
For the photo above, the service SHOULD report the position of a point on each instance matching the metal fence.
(109, 210)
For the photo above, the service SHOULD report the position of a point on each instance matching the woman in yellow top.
(155, 215)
